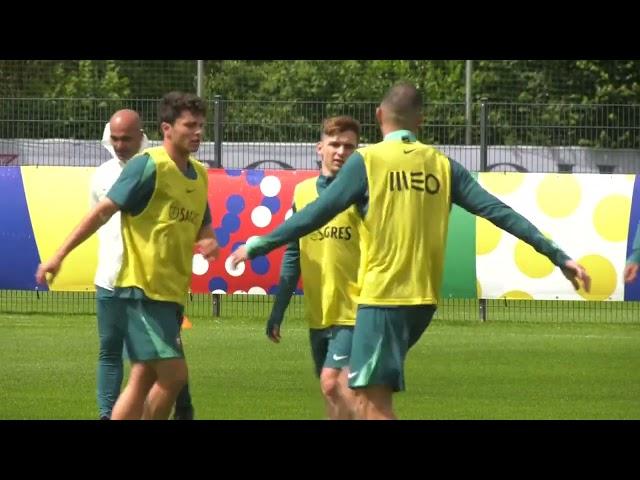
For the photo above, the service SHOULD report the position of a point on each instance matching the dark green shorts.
(381, 339)
(151, 329)
(331, 347)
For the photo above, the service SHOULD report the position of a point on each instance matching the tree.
(287, 100)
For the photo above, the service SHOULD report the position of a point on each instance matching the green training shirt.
(351, 187)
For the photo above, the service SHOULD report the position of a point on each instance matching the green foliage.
(78, 98)
(266, 95)
(597, 89)
(88, 80)
(151, 79)
(284, 100)
(99, 88)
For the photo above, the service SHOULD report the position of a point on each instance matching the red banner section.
(245, 203)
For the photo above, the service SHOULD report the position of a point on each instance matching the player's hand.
(209, 248)
(52, 267)
(630, 272)
(273, 329)
(574, 272)
(240, 255)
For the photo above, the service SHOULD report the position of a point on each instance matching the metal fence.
(257, 134)
(577, 138)
(21, 302)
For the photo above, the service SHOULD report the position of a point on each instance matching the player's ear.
(165, 128)
(379, 114)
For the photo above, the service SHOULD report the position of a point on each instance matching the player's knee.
(174, 383)
(172, 374)
(376, 402)
(329, 384)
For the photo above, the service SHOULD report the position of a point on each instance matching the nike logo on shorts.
(337, 358)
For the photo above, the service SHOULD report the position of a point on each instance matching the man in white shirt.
(123, 137)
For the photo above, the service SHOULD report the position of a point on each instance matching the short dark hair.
(340, 124)
(174, 103)
(403, 102)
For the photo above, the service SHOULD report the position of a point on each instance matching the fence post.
(484, 119)
(215, 304)
(482, 302)
(217, 130)
(467, 100)
(200, 78)
(217, 162)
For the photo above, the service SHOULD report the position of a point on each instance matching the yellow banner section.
(58, 198)
(587, 215)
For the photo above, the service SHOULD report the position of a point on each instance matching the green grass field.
(458, 370)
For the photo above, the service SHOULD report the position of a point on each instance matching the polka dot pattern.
(530, 262)
(270, 186)
(244, 204)
(516, 295)
(603, 284)
(587, 215)
(272, 203)
(609, 217)
(260, 265)
(261, 216)
(487, 236)
(558, 195)
(234, 271)
(502, 183)
(218, 283)
(199, 265)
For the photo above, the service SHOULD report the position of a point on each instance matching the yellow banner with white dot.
(587, 215)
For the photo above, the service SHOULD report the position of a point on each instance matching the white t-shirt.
(110, 247)
(109, 235)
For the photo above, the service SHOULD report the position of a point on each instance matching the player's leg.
(334, 375)
(330, 387)
(319, 340)
(157, 342)
(369, 373)
(381, 340)
(130, 403)
(184, 405)
(111, 340)
(171, 377)
(151, 341)
(376, 403)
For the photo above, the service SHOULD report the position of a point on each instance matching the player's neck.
(325, 171)
(180, 157)
(388, 128)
